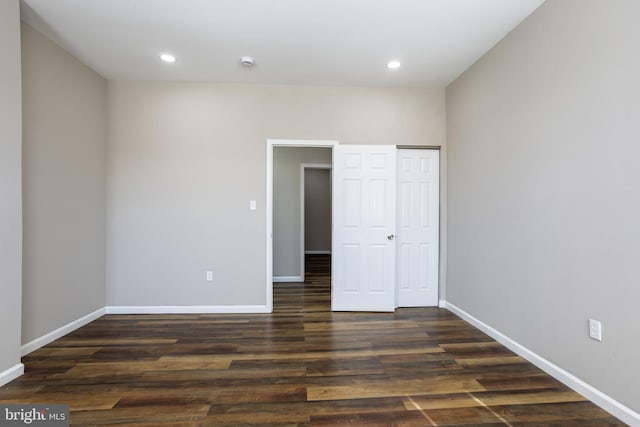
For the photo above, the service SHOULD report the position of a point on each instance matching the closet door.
(417, 227)
(364, 210)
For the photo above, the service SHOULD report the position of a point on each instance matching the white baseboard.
(442, 304)
(60, 332)
(317, 252)
(593, 394)
(187, 309)
(11, 374)
(290, 279)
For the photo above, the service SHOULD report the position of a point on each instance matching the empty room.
(319, 212)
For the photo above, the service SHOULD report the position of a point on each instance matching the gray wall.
(184, 159)
(317, 210)
(543, 179)
(10, 185)
(286, 205)
(64, 116)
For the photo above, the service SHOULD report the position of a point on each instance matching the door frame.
(269, 203)
(303, 167)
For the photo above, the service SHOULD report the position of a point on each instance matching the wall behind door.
(317, 210)
(286, 205)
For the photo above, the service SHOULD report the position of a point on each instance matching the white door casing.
(364, 210)
(417, 227)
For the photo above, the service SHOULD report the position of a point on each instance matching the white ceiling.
(341, 42)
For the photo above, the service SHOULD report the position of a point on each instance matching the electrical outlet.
(595, 330)
(209, 276)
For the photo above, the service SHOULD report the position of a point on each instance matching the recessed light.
(393, 64)
(168, 58)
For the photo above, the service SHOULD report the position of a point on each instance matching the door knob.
(391, 237)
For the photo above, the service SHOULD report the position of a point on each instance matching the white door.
(417, 227)
(364, 210)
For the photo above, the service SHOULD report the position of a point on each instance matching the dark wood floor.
(301, 365)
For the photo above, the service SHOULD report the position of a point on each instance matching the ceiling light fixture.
(168, 58)
(393, 65)
(247, 61)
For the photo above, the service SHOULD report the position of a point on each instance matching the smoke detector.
(247, 61)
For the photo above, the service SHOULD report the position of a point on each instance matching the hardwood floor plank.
(114, 369)
(265, 393)
(528, 382)
(490, 361)
(347, 406)
(100, 341)
(551, 413)
(76, 403)
(149, 414)
(383, 388)
(474, 416)
(377, 419)
(465, 400)
(64, 352)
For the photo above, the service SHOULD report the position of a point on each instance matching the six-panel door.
(417, 227)
(363, 254)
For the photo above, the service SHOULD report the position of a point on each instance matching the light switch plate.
(252, 205)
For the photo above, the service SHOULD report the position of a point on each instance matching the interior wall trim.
(288, 279)
(11, 374)
(60, 332)
(601, 399)
(186, 309)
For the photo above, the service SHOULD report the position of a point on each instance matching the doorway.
(366, 273)
(285, 250)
